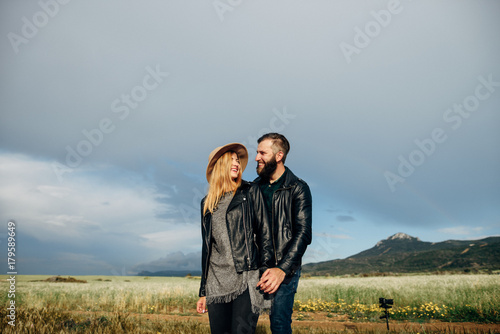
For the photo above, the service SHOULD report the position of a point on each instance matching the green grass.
(109, 294)
(112, 300)
(472, 298)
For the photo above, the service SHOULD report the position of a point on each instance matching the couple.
(254, 236)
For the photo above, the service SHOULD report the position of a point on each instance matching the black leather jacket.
(291, 222)
(249, 231)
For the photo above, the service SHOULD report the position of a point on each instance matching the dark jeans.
(282, 307)
(235, 317)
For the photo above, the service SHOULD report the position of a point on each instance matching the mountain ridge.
(402, 253)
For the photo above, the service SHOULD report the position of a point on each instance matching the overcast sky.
(109, 111)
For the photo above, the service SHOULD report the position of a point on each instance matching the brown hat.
(240, 150)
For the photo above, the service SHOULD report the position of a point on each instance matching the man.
(289, 206)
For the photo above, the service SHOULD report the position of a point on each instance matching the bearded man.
(289, 207)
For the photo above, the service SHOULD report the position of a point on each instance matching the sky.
(109, 110)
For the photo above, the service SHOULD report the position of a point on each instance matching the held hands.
(201, 305)
(271, 280)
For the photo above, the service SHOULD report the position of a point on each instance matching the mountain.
(401, 253)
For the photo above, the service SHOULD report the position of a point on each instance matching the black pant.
(235, 317)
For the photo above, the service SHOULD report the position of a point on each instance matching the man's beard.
(268, 170)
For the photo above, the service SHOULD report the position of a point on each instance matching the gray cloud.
(345, 219)
(84, 81)
(177, 261)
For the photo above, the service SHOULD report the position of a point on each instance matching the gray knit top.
(224, 284)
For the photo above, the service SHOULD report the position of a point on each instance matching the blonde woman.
(237, 245)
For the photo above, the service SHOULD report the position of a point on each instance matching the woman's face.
(235, 166)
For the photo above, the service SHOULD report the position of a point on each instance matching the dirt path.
(338, 323)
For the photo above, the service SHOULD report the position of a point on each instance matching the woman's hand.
(201, 305)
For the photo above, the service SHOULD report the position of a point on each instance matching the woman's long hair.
(221, 182)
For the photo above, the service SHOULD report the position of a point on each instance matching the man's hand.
(201, 305)
(271, 280)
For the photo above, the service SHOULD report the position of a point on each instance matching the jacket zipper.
(208, 248)
(272, 230)
(272, 224)
(246, 241)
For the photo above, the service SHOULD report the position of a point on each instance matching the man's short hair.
(279, 143)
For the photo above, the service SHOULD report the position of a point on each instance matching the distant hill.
(173, 273)
(402, 253)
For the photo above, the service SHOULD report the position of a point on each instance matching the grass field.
(106, 303)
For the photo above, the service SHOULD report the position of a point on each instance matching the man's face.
(266, 159)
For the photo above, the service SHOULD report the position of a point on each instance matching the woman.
(236, 244)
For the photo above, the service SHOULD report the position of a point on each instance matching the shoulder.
(302, 183)
(294, 180)
(251, 188)
(244, 188)
(245, 185)
(300, 188)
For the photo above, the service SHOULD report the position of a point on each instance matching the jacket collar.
(290, 178)
(239, 197)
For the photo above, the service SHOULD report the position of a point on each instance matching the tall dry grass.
(49, 307)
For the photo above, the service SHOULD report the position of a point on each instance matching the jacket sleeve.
(301, 229)
(262, 229)
(204, 255)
